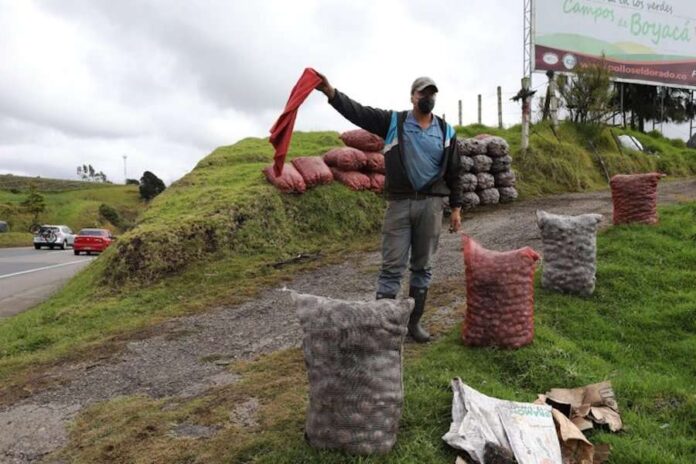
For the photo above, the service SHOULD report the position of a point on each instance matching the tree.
(589, 96)
(150, 186)
(652, 103)
(132, 182)
(35, 204)
(87, 173)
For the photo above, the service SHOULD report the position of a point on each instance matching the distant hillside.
(21, 183)
(73, 203)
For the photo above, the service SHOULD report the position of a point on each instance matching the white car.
(54, 236)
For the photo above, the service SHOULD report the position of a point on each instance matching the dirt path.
(191, 353)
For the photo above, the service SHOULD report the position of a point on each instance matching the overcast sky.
(167, 81)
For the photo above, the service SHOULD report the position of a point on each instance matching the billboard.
(644, 41)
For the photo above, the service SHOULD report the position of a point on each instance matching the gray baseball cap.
(421, 83)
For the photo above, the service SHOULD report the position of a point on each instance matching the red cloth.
(281, 132)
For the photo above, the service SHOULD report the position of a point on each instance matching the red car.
(92, 240)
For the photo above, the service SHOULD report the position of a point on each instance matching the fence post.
(479, 108)
(500, 108)
(460, 112)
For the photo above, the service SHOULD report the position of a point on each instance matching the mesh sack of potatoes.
(376, 181)
(482, 163)
(374, 162)
(346, 159)
(362, 140)
(499, 296)
(485, 181)
(501, 164)
(505, 179)
(313, 170)
(467, 163)
(489, 196)
(354, 180)
(472, 147)
(469, 182)
(289, 181)
(569, 245)
(353, 354)
(634, 198)
(470, 200)
(497, 147)
(507, 194)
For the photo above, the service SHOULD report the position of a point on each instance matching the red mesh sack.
(289, 181)
(499, 296)
(376, 181)
(375, 162)
(635, 198)
(354, 180)
(313, 170)
(362, 140)
(345, 159)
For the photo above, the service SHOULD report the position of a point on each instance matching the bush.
(150, 186)
(111, 215)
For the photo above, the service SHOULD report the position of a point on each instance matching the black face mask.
(426, 104)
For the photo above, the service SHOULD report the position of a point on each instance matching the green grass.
(638, 330)
(15, 239)
(76, 208)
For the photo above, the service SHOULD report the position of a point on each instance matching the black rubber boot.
(414, 329)
(385, 296)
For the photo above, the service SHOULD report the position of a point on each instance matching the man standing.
(422, 168)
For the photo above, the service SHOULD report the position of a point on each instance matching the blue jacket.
(389, 125)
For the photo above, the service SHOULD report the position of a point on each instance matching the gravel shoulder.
(188, 355)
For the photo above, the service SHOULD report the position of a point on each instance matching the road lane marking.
(42, 268)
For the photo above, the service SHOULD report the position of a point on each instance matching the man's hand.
(325, 87)
(455, 220)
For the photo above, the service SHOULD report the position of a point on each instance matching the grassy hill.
(225, 218)
(637, 330)
(73, 203)
(214, 236)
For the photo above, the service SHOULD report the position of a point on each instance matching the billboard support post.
(662, 110)
(691, 121)
(528, 40)
(623, 112)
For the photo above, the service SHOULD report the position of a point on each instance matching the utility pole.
(500, 108)
(125, 172)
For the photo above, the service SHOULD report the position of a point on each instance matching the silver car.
(54, 236)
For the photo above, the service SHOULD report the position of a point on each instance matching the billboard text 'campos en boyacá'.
(652, 42)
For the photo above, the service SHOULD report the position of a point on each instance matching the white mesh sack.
(569, 245)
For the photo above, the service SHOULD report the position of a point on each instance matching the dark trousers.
(410, 227)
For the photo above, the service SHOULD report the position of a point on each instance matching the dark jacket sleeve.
(453, 175)
(371, 119)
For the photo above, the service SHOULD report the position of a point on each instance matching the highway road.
(29, 276)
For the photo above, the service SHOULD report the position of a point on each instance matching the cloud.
(167, 81)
